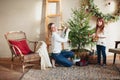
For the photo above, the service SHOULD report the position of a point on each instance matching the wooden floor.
(6, 73)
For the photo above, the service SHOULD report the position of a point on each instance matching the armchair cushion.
(22, 45)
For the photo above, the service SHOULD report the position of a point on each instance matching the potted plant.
(80, 30)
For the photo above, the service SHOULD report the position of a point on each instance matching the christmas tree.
(80, 29)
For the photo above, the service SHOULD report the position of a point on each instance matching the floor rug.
(90, 72)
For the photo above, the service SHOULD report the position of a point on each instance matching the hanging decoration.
(94, 10)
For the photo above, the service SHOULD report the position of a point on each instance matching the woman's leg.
(60, 59)
(103, 48)
(98, 54)
(67, 54)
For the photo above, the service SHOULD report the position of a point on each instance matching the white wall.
(113, 33)
(25, 15)
(67, 6)
(18, 15)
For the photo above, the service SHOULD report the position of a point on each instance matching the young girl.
(100, 38)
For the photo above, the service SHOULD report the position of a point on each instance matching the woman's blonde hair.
(49, 28)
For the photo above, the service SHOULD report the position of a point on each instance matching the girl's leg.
(98, 54)
(103, 48)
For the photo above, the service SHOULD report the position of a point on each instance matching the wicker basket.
(92, 59)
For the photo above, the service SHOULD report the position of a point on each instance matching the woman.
(100, 38)
(60, 57)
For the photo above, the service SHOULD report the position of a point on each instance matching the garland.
(94, 10)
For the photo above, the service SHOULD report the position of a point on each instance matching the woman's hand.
(67, 30)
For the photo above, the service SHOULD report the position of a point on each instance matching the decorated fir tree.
(80, 29)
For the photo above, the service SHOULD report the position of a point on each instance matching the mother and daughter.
(63, 57)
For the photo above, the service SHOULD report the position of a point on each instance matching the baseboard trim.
(110, 57)
(5, 59)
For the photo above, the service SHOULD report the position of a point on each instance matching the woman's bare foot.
(53, 63)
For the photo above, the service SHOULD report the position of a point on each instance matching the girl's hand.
(95, 38)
